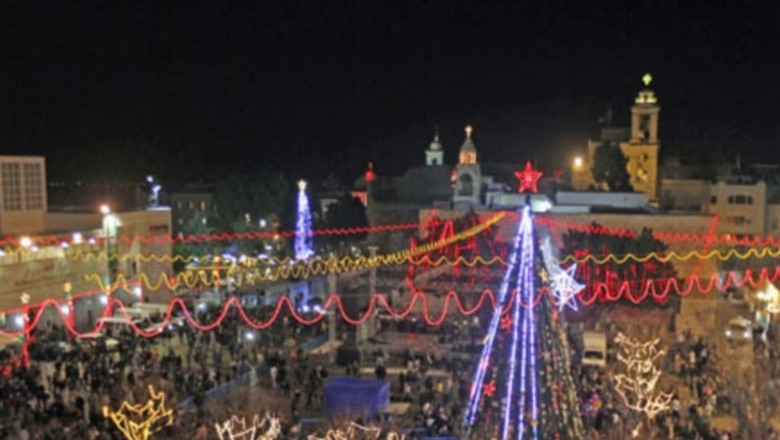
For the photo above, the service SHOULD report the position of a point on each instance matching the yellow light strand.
(673, 255)
(201, 277)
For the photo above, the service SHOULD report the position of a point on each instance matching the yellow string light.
(139, 422)
(210, 276)
(669, 256)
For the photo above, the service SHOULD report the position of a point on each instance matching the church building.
(639, 143)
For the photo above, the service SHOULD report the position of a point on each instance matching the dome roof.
(436, 144)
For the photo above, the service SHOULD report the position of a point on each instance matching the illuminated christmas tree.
(522, 387)
(303, 236)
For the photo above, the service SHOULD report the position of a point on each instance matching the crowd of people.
(63, 391)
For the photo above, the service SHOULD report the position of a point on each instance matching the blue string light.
(521, 416)
(479, 376)
(303, 236)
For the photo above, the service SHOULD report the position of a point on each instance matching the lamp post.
(331, 311)
(110, 225)
(577, 167)
(24, 337)
(68, 288)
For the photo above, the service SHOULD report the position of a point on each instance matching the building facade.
(23, 194)
(744, 204)
(68, 257)
(191, 203)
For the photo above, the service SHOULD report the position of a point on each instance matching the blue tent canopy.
(356, 397)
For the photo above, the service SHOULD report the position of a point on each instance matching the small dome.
(436, 144)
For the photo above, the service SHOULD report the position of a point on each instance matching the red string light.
(56, 240)
(657, 290)
(707, 239)
(710, 239)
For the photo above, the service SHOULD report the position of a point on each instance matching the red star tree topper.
(528, 178)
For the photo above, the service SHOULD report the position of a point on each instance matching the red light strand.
(44, 240)
(657, 290)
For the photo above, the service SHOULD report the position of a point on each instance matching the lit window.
(202, 205)
(12, 187)
(33, 187)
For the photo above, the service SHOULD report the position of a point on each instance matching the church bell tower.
(468, 179)
(434, 155)
(643, 146)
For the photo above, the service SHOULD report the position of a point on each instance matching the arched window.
(465, 185)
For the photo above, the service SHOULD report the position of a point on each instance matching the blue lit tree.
(522, 386)
(303, 235)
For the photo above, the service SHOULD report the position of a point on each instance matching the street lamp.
(577, 163)
(110, 225)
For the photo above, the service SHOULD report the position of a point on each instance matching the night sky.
(195, 89)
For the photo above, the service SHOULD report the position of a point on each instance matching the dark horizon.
(185, 90)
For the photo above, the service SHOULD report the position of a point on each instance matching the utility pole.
(331, 311)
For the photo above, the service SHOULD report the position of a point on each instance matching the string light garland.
(282, 268)
(201, 276)
(731, 254)
(139, 422)
(657, 290)
(48, 240)
(708, 239)
(259, 428)
(580, 227)
(636, 386)
(10, 243)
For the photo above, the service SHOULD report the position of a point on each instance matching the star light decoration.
(528, 178)
(489, 390)
(562, 283)
(355, 432)
(637, 386)
(506, 322)
(236, 428)
(139, 422)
